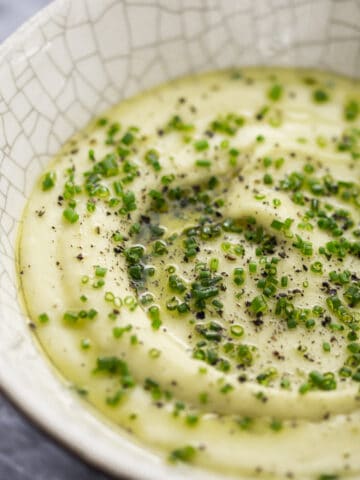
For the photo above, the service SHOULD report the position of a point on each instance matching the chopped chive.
(102, 122)
(134, 340)
(85, 343)
(152, 158)
(154, 353)
(184, 454)
(118, 189)
(191, 419)
(267, 161)
(320, 96)
(203, 163)
(276, 202)
(119, 331)
(167, 179)
(154, 314)
(277, 224)
(43, 318)
(268, 179)
(108, 166)
(214, 264)
(128, 139)
(258, 305)
(279, 162)
(252, 267)
(109, 297)
(98, 284)
(100, 271)
(201, 145)
(316, 267)
(276, 425)
(237, 330)
(275, 93)
(351, 110)
(48, 181)
(70, 215)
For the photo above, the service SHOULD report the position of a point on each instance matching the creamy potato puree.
(190, 264)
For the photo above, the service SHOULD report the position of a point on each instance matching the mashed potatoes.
(190, 263)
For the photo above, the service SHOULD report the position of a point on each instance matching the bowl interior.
(72, 61)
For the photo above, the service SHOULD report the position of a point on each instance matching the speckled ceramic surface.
(68, 64)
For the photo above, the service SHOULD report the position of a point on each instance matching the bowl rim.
(12, 390)
(53, 436)
(130, 465)
(18, 36)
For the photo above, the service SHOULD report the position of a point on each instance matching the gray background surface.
(26, 453)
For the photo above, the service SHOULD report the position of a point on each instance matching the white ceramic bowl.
(70, 62)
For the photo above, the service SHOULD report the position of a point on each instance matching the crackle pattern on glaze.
(87, 55)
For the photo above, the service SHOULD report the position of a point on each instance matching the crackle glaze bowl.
(69, 63)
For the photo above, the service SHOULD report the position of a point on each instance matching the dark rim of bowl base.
(59, 441)
(11, 43)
